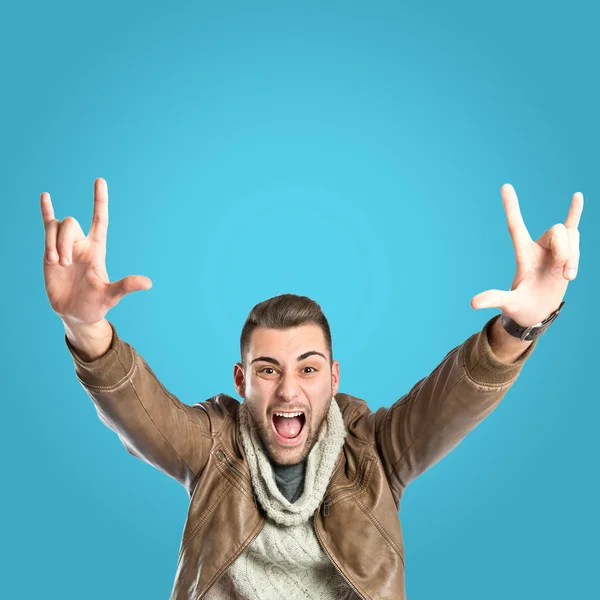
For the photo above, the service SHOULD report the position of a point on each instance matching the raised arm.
(152, 423)
(439, 411)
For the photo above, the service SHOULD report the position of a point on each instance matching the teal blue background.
(348, 151)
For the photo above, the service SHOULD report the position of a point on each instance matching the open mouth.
(288, 426)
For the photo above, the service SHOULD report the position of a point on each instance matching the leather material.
(357, 522)
(529, 333)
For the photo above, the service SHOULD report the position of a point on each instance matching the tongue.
(287, 427)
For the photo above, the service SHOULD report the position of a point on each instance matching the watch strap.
(533, 331)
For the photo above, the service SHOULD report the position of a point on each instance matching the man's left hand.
(544, 267)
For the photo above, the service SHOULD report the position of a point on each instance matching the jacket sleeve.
(151, 423)
(437, 413)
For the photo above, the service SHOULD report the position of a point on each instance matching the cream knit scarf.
(286, 561)
(319, 468)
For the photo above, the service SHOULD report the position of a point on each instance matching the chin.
(281, 455)
(287, 458)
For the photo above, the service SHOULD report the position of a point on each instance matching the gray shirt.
(290, 480)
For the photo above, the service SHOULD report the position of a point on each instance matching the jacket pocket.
(342, 493)
(231, 469)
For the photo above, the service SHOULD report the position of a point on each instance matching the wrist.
(529, 332)
(506, 348)
(90, 341)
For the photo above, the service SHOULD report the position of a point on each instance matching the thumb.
(127, 285)
(490, 299)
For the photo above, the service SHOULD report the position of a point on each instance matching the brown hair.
(282, 312)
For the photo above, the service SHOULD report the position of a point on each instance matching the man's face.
(287, 372)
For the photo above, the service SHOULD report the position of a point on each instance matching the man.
(295, 492)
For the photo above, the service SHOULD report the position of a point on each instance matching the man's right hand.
(75, 275)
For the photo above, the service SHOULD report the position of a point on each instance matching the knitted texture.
(319, 467)
(286, 561)
(283, 563)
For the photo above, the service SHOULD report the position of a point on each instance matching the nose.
(288, 388)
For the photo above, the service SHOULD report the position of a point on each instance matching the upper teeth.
(289, 415)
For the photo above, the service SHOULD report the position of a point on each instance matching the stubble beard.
(275, 453)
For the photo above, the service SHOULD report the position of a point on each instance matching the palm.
(82, 291)
(543, 266)
(78, 291)
(535, 280)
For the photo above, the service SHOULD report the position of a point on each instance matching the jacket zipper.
(334, 562)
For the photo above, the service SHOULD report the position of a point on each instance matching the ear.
(239, 379)
(335, 377)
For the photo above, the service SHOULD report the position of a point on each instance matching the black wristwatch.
(532, 332)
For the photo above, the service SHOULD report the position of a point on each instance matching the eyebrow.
(301, 357)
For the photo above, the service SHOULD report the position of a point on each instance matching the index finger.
(516, 225)
(100, 217)
(46, 207)
(575, 211)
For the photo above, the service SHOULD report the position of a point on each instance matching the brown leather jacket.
(357, 522)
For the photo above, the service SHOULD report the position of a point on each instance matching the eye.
(267, 369)
(313, 370)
